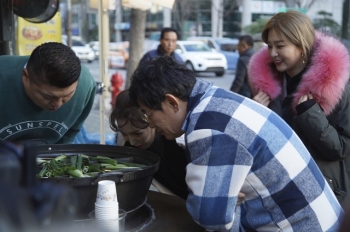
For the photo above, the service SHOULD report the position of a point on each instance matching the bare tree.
(228, 6)
(182, 11)
(304, 3)
(300, 3)
(225, 8)
(137, 36)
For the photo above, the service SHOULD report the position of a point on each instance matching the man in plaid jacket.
(235, 145)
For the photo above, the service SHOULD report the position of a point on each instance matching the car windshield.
(78, 43)
(228, 46)
(197, 47)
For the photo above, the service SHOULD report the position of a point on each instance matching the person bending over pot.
(235, 144)
(45, 96)
(128, 120)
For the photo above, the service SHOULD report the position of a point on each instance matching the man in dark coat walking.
(167, 46)
(245, 48)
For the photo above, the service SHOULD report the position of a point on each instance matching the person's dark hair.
(129, 111)
(54, 64)
(247, 39)
(166, 30)
(155, 78)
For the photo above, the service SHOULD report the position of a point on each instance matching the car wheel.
(219, 74)
(89, 61)
(189, 65)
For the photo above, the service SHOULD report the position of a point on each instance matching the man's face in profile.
(168, 42)
(242, 47)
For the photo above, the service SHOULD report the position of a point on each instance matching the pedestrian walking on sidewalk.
(245, 48)
(167, 46)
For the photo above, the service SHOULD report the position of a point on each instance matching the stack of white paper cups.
(106, 206)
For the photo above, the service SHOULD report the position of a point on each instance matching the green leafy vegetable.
(82, 165)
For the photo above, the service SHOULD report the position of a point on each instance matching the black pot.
(132, 186)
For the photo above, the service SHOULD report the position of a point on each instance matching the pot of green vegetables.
(82, 166)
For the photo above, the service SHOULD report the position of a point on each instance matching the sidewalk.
(93, 123)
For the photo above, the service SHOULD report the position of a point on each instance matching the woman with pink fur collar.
(303, 76)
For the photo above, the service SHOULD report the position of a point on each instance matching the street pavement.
(93, 121)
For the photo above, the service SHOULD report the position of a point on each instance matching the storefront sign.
(30, 35)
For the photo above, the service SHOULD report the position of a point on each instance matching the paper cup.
(110, 225)
(106, 212)
(106, 194)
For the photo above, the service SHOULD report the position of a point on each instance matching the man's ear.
(172, 101)
(25, 72)
(25, 76)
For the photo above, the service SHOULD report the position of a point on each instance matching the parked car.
(81, 49)
(258, 43)
(118, 55)
(95, 46)
(200, 58)
(225, 46)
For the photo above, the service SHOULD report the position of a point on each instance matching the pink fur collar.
(325, 79)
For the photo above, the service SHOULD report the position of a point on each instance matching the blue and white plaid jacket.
(235, 144)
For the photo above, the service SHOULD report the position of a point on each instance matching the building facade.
(216, 18)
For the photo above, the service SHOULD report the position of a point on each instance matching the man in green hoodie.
(45, 96)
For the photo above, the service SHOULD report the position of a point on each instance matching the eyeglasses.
(148, 118)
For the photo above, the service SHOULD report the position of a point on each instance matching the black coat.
(327, 138)
(324, 127)
(240, 85)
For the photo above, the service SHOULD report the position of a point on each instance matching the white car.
(200, 58)
(81, 49)
(225, 46)
(95, 46)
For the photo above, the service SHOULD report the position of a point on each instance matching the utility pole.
(214, 18)
(118, 20)
(246, 14)
(198, 16)
(221, 18)
(217, 18)
(166, 17)
(69, 23)
(83, 30)
(103, 37)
